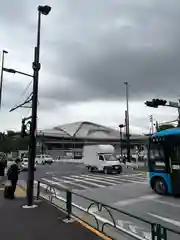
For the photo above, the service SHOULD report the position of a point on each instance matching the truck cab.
(101, 158)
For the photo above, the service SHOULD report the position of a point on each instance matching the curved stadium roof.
(82, 130)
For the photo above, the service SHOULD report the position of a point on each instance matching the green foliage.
(12, 141)
(165, 126)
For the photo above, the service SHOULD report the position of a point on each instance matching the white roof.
(83, 130)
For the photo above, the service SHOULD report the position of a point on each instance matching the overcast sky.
(88, 49)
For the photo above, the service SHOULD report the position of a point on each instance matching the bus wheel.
(160, 186)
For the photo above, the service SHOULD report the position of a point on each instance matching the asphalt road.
(128, 191)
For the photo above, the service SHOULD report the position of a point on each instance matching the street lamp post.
(2, 67)
(36, 67)
(127, 120)
(121, 126)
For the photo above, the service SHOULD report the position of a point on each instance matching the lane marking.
(119, 179)
(135, 200)
(94, 180)
(168, 220)
(72, 183)
(80, 180)
(104, 179)
(55, 183)
(167, 203)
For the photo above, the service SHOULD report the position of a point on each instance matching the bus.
(164, 162)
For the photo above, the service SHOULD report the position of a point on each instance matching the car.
(24, 165)
(43, 159)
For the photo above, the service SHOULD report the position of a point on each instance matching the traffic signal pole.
(155, 103)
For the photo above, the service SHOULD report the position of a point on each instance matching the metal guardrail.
(158, 232)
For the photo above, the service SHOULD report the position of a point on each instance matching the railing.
(101, 216)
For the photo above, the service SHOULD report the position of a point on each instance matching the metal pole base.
(28, 207)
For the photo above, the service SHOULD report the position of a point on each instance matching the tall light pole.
(121, 126)
(2, 67)
(127, 120)
(32, 150)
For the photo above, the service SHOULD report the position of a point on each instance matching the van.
(101, 158)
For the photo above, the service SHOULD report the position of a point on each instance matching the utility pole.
(127, 121)
(179, 113)
(32, 148)
(157, 126)
(152, 124)
(121, 126)
(2, 70)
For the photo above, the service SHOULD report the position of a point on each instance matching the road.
(128, 191)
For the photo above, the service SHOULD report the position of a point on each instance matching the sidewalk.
(44, 222)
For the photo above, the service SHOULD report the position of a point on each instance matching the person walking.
(13, 175)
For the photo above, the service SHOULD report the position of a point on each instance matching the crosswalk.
(93, 181)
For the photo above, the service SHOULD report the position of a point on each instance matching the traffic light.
(155, 103)
(150, 104)
(23, 128)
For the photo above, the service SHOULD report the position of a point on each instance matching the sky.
(88, 50)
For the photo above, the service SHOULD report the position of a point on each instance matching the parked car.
(43, 159)
(24, 165)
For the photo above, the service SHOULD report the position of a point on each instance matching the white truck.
(101, 158)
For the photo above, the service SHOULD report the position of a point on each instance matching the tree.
(12, 142)
(165, 126)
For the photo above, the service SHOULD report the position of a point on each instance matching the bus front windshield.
(157, 157)
(156, 152)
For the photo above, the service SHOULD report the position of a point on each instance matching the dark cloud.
(89, 48)
(101, 46)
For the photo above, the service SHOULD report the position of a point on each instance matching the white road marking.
(72, 183)
(93, 179)
(120, 179)
(103, 178)
(167, 203)
(174, 222)
(135, 200)
(80, 180)
(133, 228)
(55, 183)
(122, 222)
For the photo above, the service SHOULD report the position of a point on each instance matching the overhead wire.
(28, 99)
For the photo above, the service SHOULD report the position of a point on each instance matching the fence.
(101, 216)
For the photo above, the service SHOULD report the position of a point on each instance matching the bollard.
(69, 204)
(38, 190)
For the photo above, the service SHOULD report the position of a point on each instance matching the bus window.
(157, 158)
(175, 154)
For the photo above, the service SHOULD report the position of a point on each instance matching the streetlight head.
(4, 51)
(44, 9)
